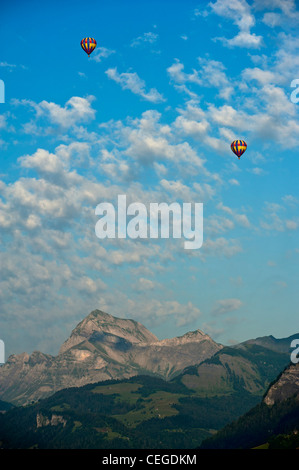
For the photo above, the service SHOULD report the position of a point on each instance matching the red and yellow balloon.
(238, 147)
(88, 45)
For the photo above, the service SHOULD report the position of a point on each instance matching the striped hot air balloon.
(88, 45)
(238, 147)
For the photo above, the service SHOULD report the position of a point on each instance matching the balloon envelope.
(88, 45)
(238, 147)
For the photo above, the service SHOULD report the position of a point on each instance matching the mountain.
(272, 424)
(270, 342)
(250, 368)
(146, 411)
(101, 347)
(99, 323)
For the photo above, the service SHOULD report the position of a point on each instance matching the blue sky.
(151, 114)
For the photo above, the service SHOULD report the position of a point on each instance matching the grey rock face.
(285, 387)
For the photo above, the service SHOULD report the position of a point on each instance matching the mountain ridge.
(271, 342)
(101, 347)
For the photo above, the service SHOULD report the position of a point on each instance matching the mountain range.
(101, 347)
(115, 385)
(146, 411)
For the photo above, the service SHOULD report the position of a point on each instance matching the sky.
(151, 115)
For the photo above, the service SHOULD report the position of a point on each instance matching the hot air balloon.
(238, 147)
(88, 45)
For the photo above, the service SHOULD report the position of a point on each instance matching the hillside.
(249, 368)
(147, 412)
(141, 412)
(273, 423)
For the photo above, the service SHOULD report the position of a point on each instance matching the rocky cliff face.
(286, 386)
(98, 322)
(42, 421)
(101, 347)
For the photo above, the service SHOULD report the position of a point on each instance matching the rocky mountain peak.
(196, 336)
(101, 322)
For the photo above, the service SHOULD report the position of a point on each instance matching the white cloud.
(257, 171)
(290, 200)
(291, 225)
(234, 182)
(239, 12)
(3, 121)
(264, 77)
(181, 314)
(75, 111)
(211, 73)
(217, 224)
(288, 13)
(160, 169)
(101, 53)
(241, 219)
(143, 285)
(196, 129)
(221, 247)
(7, 65)
(131, 81)
(271, 119)
(43, 161)
(146, 38)
(273, 217)
(226, 305)
(177, 74)
(243, 39)
(149, 141)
